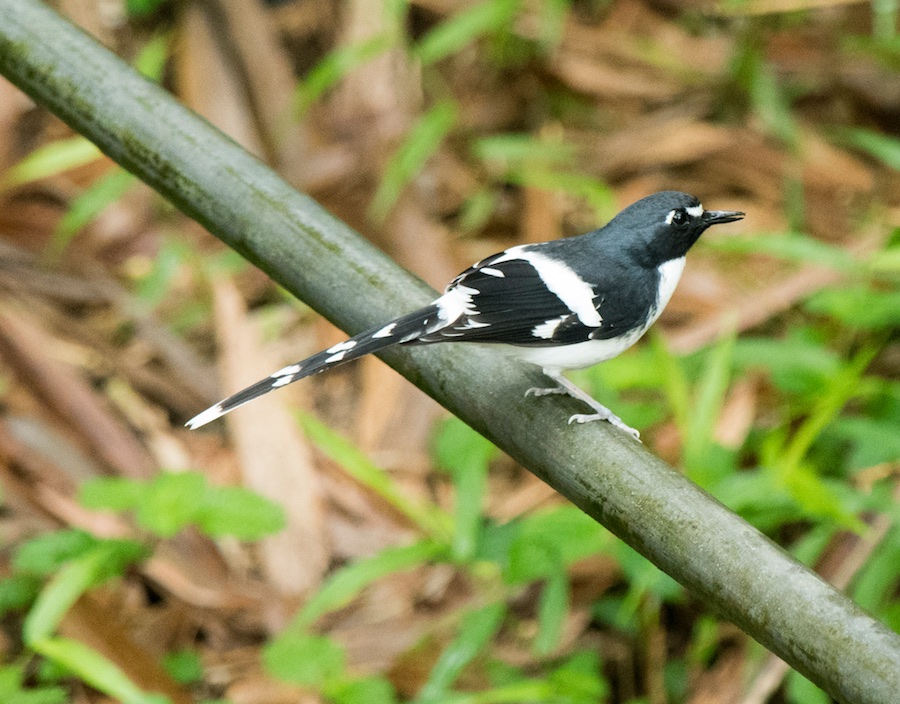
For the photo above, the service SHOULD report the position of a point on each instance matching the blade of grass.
(102, 193)
(335, 66)
(843, 386)
(466, 455)
(464, 28)
(552, 609)
(708, 400)
(675, 383)
(95, 670)
(52, 159)
(430, 519)
(71, 581)
(423, 141)
(883, 147)
(475, 632)
(346, 583)
(792, 246)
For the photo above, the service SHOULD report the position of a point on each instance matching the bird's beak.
(715, 217)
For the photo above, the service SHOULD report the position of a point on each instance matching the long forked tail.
(402, 330)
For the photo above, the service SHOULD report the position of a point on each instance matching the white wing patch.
(547, 329)
(456, 302)
(568, 286)
(492, 272)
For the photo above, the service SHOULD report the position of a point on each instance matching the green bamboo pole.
(681, 529)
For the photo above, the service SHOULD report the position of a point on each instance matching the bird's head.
(665, 225)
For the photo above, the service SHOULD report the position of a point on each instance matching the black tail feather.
(406, 329)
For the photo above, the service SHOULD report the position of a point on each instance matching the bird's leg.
(538, 391)
(601, 411)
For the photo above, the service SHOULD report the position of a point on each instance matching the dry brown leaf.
(722, 683)
(26, 348)
(101, 628)
(207, 81)
(737, 415)
(275, 459)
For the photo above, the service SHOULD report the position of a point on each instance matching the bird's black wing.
(509, 301)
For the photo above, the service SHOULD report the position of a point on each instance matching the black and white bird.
(566, 304)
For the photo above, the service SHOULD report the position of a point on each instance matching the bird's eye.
(677, 217)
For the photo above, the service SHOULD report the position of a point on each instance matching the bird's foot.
(538, 391)
(608, 416)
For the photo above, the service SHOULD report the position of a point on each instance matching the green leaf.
(579, 680)
(336, 65)
(151, 59)
(708, 401)
(552, 609)
(643, 577)
(464, 28)
(836, 392)
(44, 554)
(475, 632)
(51, 160)
(795, 365)
(103, 561)
(422, 142)
(767, 97)
(236, 511)
(791, 246)
(874, 441)
(366, 690)
(800, 690)
(478, 208)
(11, 677)
(105, 191)
(759, 498)
(886, 262)
(111, 493)
(304, 659)
(459, 449)
(183, 666)
(552, 537)
(674, 380)
(429, 518)
(466, 455)
(153, 287)
(17, 591)
(514, 152)
(553, 22)
(171, 501)
(883, 147)
(347, 582)
(142, 8)
(13, 691)
(875, 586)
(598, 194)
(95, 670)
(859, 307)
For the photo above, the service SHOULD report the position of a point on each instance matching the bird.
(565, 304)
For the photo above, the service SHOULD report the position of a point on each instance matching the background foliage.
(381, 552)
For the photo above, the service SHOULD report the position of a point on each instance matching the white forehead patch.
(695, 211)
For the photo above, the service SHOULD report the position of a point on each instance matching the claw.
(568, 388)
(613, 420)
